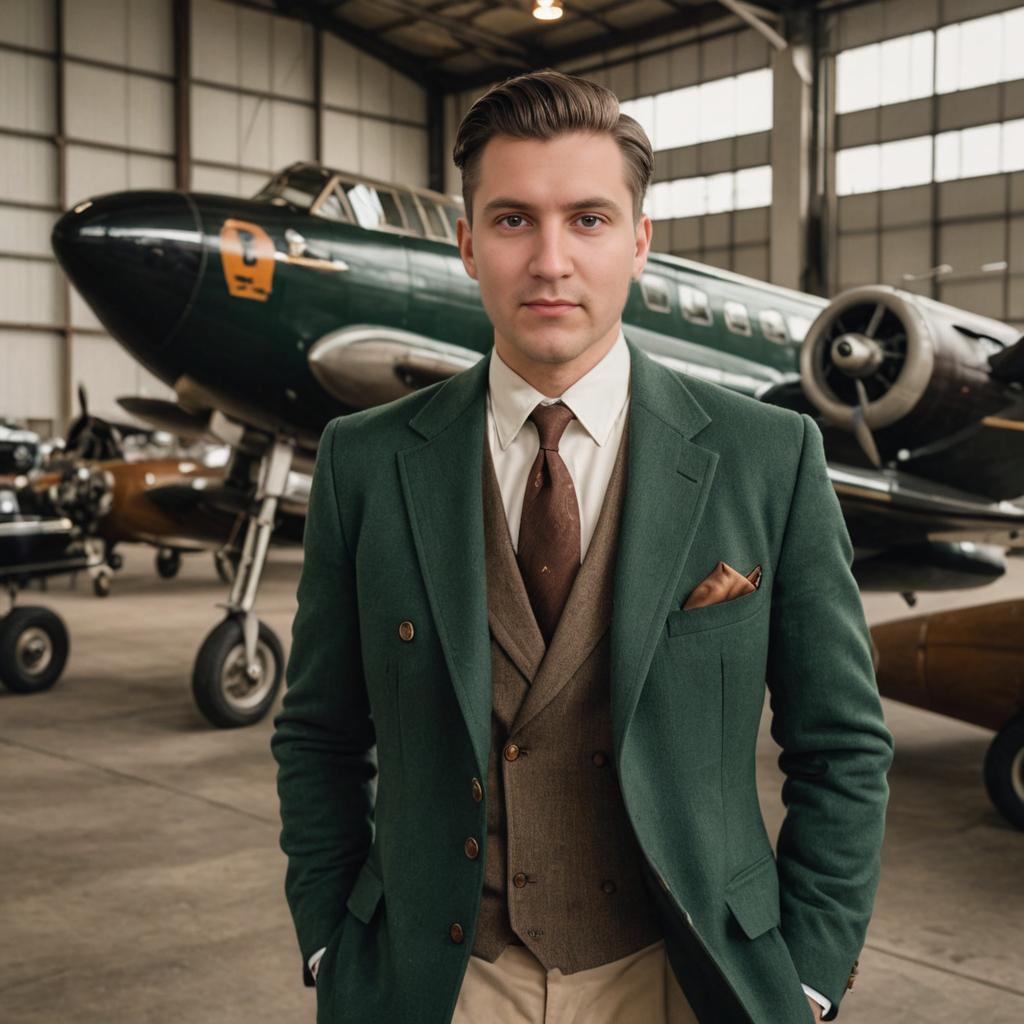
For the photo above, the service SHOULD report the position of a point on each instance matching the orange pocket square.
(723, 583)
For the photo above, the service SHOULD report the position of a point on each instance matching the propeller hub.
(856, 355)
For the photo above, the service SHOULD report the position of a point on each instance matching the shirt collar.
(596, 398)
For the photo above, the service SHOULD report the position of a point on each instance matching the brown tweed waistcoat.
(563, 873)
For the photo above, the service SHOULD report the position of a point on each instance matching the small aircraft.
(329, 292)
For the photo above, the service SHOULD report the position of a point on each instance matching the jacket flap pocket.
(365, 895)
(753, 897)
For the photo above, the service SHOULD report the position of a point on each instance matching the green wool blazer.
(384, 730)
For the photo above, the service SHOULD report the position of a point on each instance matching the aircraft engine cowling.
(903, 367)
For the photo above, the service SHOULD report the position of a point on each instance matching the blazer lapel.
(441, 485)
(668, 478)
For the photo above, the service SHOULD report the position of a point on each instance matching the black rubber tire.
(101, 584)
(46, 634)
(1004, 771)
(219, 666)
(168, 563)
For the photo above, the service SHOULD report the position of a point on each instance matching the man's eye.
(509, 217)
(593, 218)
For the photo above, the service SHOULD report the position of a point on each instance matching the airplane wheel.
(1004, 771)
(222, 690)
(101, 583)
(168, 562)
(33, 649)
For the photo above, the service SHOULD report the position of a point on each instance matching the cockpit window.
(452, 213)
(435, 219)
(412, 213)
(300, 186)
(373, 208)
(332, 206)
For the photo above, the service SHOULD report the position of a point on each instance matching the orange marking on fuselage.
(247, 256)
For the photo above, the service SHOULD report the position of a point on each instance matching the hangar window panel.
(858, 170)
(675, 118)
(659, 201)
(721, 192)
(753, 188)
(689, 197)
(980, 48)
(906, 66)
(857, 79)
(906, 162)
(717, 109)
(1013, 146)
(28, 23)
(26, 231)
(947, 156)
(695, 305)
(979, 150)
(737, 319)
(773, 326)
(642, 110)
(31, 292)
(1013, 44)
(754, 102)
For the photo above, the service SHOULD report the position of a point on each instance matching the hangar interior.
(907, 155)
(867, 142)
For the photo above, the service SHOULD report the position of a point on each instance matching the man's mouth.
(551, 307)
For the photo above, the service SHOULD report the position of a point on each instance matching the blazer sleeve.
(324, 738)
(827, 719)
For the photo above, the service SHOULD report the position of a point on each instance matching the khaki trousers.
(516, 989)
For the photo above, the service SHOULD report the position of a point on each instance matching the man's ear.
(464, 237)
(644, 232)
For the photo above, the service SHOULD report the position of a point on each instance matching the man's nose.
(551, 257)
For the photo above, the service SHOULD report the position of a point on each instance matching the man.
(538, 608)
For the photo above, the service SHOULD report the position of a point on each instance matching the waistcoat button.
(511, 752)
(519, 880)
(478, 791)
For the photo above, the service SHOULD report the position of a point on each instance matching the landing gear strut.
(238, 670)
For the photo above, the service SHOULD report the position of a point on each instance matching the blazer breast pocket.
(723, 613)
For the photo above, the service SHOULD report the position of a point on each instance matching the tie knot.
(551, 421)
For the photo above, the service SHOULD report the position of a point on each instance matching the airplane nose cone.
(136, 258)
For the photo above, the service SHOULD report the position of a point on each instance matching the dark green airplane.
(328, 292)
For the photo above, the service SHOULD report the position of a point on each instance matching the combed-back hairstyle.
(543, 105)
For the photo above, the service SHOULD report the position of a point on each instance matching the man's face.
(553, 223)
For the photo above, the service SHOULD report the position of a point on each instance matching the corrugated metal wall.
(88, 105)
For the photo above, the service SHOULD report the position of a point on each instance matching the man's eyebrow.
(593, 203)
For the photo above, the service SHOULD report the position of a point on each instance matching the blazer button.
(608, 886)
(478, 791)
(455, 933)
(472, 848)
(519, 880)
(511, 751)
(406, 630)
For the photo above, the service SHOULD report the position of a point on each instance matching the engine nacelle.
(918, 368)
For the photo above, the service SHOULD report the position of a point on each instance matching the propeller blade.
(861, 429)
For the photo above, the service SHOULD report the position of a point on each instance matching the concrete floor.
(142, 881)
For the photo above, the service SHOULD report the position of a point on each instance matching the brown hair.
(543, 105)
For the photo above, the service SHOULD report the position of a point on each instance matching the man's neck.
(554, 379)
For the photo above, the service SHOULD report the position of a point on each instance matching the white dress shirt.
(588, 447)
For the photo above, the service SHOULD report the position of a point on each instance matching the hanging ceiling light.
(547, 10)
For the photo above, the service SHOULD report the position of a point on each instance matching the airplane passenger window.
(798, 327)
(655, 293)
(736, 318)
(694, 304)
(435, 219)
(773, 327)
(412, 213)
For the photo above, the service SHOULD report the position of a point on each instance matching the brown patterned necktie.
(549, 531)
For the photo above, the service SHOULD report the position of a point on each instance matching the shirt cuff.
(825, 1004)
(314, 962)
